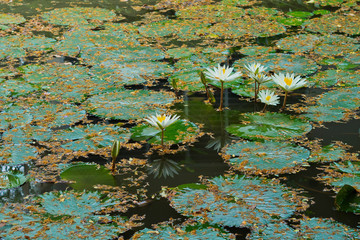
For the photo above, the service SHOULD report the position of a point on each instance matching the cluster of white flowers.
(288, 82)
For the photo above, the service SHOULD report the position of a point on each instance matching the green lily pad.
(17, 154)
(345, 98)
(331, 23)
(311, 228)
(181, 52)
(56, 115)
(266, 157)
(235, 201)
(238, 3)
(6, 18)
(320, 113)
(281, 62)
(353, 57)
(340, 63)
(15, 88)
(187, 81)
(182, 232)
(272, 231)
(98, 55)
(77, 15)
(128, 104)
(299, 14)
(328, 153)
(86, 176)
(275, 126)
(333, 45)
(16, 46)
(321, 12)
(256, 50)
(332, 77)
(71, 45)
(64, 213)
(317, 229)
(27, 134)
(298, 43)
(178, 132)
(264, 12)
(11, 179)
(348, 199)
(183, 29)
(129, 73)
(14, 116)
(290, 21)
(211, 13)
(91, 137)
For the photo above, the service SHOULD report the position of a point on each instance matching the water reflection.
(164, 167)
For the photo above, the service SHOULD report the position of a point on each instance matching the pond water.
(78, 75)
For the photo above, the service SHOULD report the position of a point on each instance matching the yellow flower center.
(161, 118)
(223, 71)
(288, 81)
(268, 98)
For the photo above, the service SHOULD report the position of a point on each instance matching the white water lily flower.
(268, 97)
(222, 73)
(161, 121)
(289, 82)
(255, 68)
(260, 77)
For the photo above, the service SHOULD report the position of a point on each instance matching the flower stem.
(162, 137)
(113, 165)
(284, 103)
(255, 90)
(264, 108)
(222, 96)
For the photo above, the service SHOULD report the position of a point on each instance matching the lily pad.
(97, 55)
(275, 126)
(298, 43)
(281, 62)
(256, 50)
(238, 3)
(56, 115)
(300, 14)
(348, 199)
(71, 45)
(26, 134)
(91, 137)
(182, 232)
(129, 104)
(129, 73)
(15, 88)
(11, 179)
(346, 98)
(77, 15)
(265, 157)
(311, 228)
(317, 229)
(211, 13)
(331, 23)
(290, 21)
(86, 176)
(320, 113)
(334, 45)
(17, 154)
(353, 57)
(14, 116)
(235, 201)
(328, 153)
(178, 132)
(7, 18)
(16, 46)
(63, 214)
